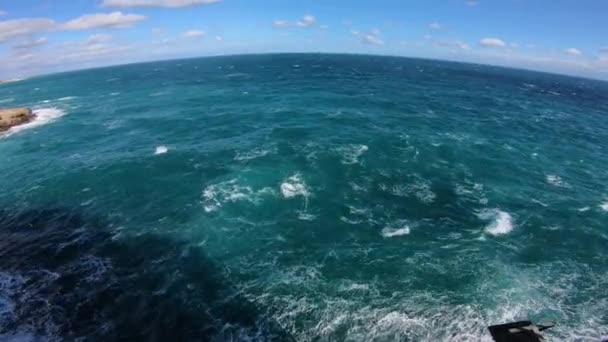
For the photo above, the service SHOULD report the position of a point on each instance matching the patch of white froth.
(556, 181)
(392, 232)
(502, 222)
(399, 228)
(583, 209)
(10, 99)
(311, 308)
(294, 186)
(67, 98)
(43, 116)
(352, 153)
(162, 149)
(421, 189)
(217, 195)
(604, 206)
(253, 154)
(304, 216)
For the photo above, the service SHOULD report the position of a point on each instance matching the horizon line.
(490, 65)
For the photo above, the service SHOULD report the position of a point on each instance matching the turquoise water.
(303, 197)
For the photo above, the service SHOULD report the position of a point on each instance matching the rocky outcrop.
(15, 117)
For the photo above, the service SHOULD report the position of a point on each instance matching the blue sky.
(564, 36)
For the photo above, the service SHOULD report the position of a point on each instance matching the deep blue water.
(303, 197)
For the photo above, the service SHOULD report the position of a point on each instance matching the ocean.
(303, 197)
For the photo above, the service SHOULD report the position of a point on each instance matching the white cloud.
(157, 3)
(452, 44)
(281, 23)
(48, 57)
(114, 20)
(306, 21)
(372, 39)
(219, 38)
(435, 26)
(573, 51)
(157, 31)
(30, 44)
(193, 34)
(23, 27)
(492, 42)
(472, 3)
(97, 39)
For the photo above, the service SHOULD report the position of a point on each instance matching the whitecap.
(556, 181)
(304, 216)
(398, 228)
(604, 206)
(160, 93)
(10, 99)
(502, 222)
(253, 154)
(392, 232)
(67, 98)
(162, 149)
(43, 116)
(583, 209)
(352, 153)
(350, 221)
(294, 186)
(421, 189)
(216, 195)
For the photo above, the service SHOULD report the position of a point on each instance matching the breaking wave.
(43, 116)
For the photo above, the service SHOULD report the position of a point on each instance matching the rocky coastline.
(11, 117)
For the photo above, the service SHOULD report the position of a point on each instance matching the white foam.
(556, 181)
(10, 99)
(421, 189)
(294, 186)
(583, 209)
(217, 195)
(350, 221)
(160, 93)
(162, 149)
(502, 222)
(392, 232)
(253, 154)
(604, 206)
(67, 98)
(43, 116)
(352, 153)
(398, 228)
(304, 216)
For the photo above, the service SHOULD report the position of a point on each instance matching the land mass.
(11, 117)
